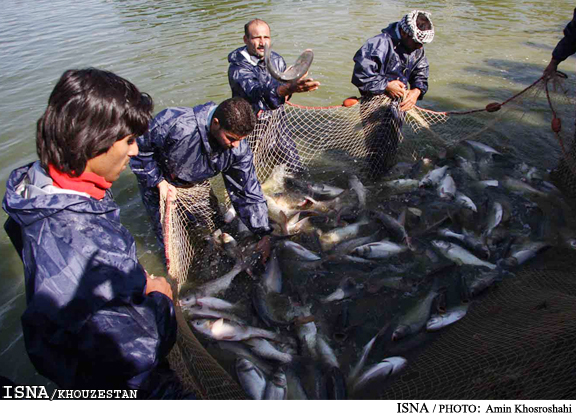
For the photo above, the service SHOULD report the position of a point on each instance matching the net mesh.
(516, 342)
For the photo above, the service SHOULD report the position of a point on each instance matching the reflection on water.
(177, 51)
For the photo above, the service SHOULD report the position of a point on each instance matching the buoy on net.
(493, 107)
(556, 125)
(348, 102)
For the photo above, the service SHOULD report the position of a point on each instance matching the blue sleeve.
(246, 194)
(254, 87)
(567, 46)
(368, 63)
(144, 165)
(419, 76)
(128, 339)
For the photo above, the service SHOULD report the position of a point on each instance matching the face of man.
(225, 139)
(258, 36)
(409, 44)
(110, 164)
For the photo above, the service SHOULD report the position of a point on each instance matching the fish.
(263, 310)
(293, 250)
(379, 250)
(358, 188)
(293, 72)
(523, 253)
(346, 288)
(487, 183)
(468, 167)
(346, 247)
(447, 188)
(251, 378)
(317, 191)
(198, 312)
(482, 148)
(395, 227)
(276, 388)
(265, 349)
(325, 352)
(473, 287)
(401, 185)
(469, 240)
(465, 201)
(451, 316)
(494, 218)
(228, 331)
(459, 255)
(523, 188)
(272, 276)
(415, 319)
(353, 375)
(433, 177)
(221, 284)
(330, 239)
(387, 367)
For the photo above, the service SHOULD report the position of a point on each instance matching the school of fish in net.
(362, 275)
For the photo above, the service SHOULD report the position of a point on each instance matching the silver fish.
(465, 201)
(433, 177)
(293, 72)
(347, 288)
(379, 250)
(487, 183)
(449, 317)
(364, 356)
(358, 188)
(459, 255)
(395, 227)
(469, 240)
(382, 370)
(346, 247)
(272, 277)
(468, 167)
(228, 331)
(523, 253)
(251, 378)
(330, 239)
(292, 250)
(218, 285)
(401, 185)
(447, 188)
(494, 218)
(416, 317)
(482, 148)
(318, 191)
(277, 388)
(325, 352)
(198, 312)
(518, 186)
(263, 348)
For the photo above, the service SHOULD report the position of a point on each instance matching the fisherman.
(94, 318)
(250, 79)
(563, 175)
(386, 64)
(187, 146)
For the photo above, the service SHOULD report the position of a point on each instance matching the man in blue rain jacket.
(94, 318)
(186, 146)
(250, 79)
(387, 64)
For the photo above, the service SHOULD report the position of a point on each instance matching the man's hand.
(395, 89)
(158, 284)
(410, 99)
(167, 191)
(301, 85)
(550, 70)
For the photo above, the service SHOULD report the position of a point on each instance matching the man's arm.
(368, 63)
(144, 165)
(254, 89)
(246, 194)
(419, 76)
(566, 47)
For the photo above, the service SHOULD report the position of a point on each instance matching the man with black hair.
(186, 146)
(94, 318)
(387, 64)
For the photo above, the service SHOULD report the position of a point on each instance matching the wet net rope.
(361, 137)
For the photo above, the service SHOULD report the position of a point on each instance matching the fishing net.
(516, 340)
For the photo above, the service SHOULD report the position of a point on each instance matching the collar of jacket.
(203, 114)
(253, 60)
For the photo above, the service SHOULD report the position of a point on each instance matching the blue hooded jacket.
(567, 45)
(88, 323)
(383, 58)
(176, 148)
(249, 79)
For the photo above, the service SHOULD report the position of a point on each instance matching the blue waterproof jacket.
(176, 148)
(383, 58)
(567, 45)
(249, 78)
(88, 323)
